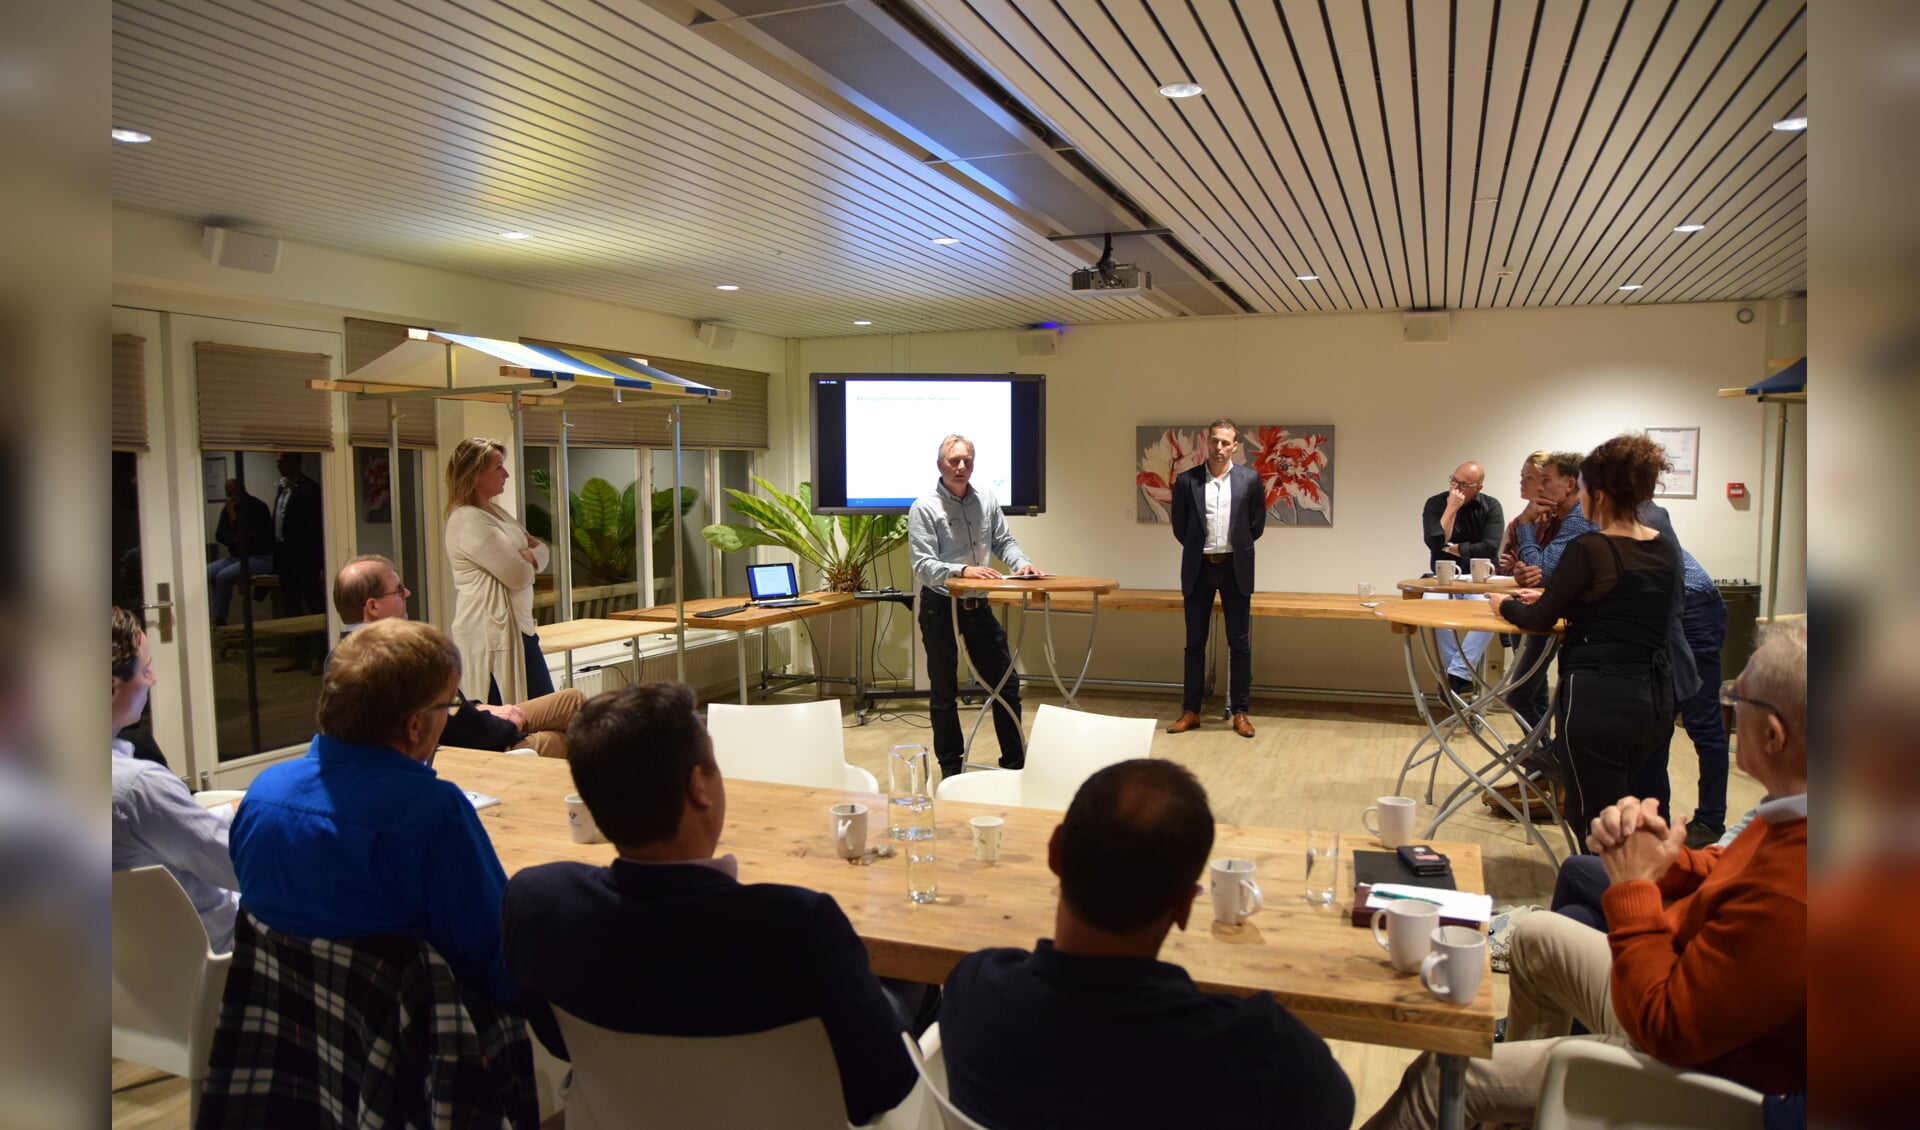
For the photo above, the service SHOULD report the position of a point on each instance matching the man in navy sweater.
(666, 940)
(1091, 1029)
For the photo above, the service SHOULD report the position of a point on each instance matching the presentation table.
(1468, 718)
(1326, 972)
(748, 620)
(1022, 593)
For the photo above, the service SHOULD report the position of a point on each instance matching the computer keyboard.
(728, 611)
(785, 603)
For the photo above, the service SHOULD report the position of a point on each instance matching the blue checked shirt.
(946, 534)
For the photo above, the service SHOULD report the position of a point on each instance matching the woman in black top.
(1613, 710)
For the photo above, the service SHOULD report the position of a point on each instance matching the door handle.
(163, 604)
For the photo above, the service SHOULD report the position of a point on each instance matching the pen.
(1408, 898)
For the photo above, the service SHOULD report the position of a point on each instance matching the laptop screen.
(771, 582)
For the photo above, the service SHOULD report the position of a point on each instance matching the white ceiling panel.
(1468, 153)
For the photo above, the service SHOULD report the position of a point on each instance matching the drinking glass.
(1323, 866)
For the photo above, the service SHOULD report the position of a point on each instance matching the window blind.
(258, 400)
(129, 393)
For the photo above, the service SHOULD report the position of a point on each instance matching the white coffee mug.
(1236, 896)
(1482, 568)
(580, 825)
(986, 837)
(1446, 571)
(1395, 820)
(1405, 930)
(1364, 589)
(848, 825)
(1453, 970)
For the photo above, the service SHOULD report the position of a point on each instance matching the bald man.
(368, 589)
(1460, 524)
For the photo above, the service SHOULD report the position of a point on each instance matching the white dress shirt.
(1219, 509)
(156, 820)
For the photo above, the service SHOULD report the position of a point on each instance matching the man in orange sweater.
(1716, 979)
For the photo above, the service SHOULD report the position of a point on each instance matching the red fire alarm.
(1736, 490)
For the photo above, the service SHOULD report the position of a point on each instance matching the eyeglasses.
(402, 592)
(1729, 700)
(452, 708)
(1453, 482)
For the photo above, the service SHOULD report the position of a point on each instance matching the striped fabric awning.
(582, 367)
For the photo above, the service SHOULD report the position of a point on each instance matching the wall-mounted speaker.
(229, 248)
(1038, 343)
(713, 335)
(1424, 327)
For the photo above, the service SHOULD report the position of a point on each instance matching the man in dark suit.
(666, 940)
(1219, 511)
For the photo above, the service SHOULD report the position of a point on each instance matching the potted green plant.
(840, 547)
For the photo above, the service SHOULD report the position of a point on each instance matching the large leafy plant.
(840, 547)
(600, 522)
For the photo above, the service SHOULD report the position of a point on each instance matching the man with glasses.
(368, 589)
(1703, 964)
(360, 836)
(1458, 525)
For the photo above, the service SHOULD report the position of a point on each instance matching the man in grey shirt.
(155, 818)
(954, 532)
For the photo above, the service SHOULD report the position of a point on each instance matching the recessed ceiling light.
(1182, 89)
(131, 136)
(1791, 125)
(1689, 229)
(1631, 286)
(1307, 278)
(861, 322)
(946, 240)
(725, 286)
(513, 235)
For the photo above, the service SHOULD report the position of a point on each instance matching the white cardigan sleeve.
(479, 539)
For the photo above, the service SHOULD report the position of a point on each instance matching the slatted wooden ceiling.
(1412, 153)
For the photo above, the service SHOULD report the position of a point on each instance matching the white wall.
(1507, 382)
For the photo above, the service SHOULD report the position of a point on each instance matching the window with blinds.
(129, 393)
(740, 422)
(258, 400)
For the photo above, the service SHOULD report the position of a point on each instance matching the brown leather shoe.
(1187, 721)
(1241, 726)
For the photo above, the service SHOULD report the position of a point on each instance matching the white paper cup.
(580, 823)
(1453, 970)
(1236, 895)
(847, 824)
(1405, 930)
(1390, 818)
(986, 837)
(1482, 568)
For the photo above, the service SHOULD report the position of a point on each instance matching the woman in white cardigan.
(494, 562)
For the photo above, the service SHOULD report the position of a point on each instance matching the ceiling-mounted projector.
(1112, 280)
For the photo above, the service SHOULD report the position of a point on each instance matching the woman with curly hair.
(1615, 586)
(494, 562)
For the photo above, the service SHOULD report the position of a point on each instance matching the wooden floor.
(1311, 764)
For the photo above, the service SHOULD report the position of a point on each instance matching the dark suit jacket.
(1245, 522)
(252, 535)
(301, 551)
(686, 950)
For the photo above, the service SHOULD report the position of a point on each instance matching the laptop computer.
(774, 586)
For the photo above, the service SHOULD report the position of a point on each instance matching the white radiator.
(712, 665)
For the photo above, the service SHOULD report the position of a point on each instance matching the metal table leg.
(1453, 1092)
(993, 692)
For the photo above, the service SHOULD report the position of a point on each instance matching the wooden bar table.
(751, 619)
(1470, 717)
(1311, 959)
(1020, 592)
(566, 635)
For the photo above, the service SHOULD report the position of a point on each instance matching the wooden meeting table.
(1329, 974)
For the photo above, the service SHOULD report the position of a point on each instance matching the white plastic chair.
(166, 980)
(788, 744)
(782, 1077)
(931, 1064)
(1596, 1086)
(214, 798)
(1066, 748)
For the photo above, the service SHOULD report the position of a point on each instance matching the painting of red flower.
(1294, 462)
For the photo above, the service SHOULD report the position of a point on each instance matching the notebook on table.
(1383, 869)
(774, 586)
